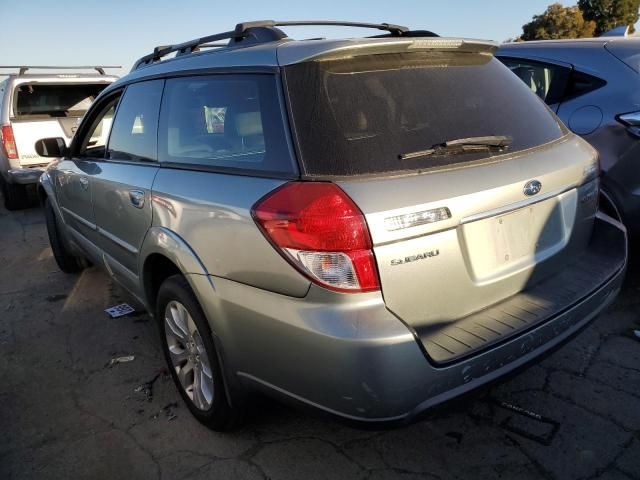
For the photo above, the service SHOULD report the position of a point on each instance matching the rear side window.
(135, 128)
(224, 121)
(362, 115)
(547, 81)
(581, 83)
(552, 83)
(41, 100)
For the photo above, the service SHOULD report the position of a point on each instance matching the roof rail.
(262, 31)
(182, 48)
(389, 27)
(24, 68)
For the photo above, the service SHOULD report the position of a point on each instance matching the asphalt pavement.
(66, 412)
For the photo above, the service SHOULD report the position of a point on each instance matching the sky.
(117, 32)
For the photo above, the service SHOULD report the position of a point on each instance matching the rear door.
(121, 185)
(48, 109)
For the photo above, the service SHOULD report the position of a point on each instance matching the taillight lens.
(319, 229)
(9, 142)
(631, 121)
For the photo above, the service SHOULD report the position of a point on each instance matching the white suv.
(33, 106)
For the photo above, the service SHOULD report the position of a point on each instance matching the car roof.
(269, 56)
(573, 42)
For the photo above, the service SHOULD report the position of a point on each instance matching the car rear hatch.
(455, 232)
(42, 109)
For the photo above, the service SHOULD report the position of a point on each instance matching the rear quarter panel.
(211, 212)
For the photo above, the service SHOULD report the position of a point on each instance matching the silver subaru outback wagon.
(368, 226)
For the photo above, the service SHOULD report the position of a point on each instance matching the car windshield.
(359, 115)
(46, 100)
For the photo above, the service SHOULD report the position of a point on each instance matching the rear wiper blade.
(489, 141)
(463, 145)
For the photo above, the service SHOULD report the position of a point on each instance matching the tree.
(608, 14)
(558, 22)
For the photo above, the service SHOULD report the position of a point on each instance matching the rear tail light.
(631, 121)
(9, 142)
(319, 229)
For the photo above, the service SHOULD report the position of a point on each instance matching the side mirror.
(52, 147)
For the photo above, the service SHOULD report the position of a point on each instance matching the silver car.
(592, 84)
(368, 226)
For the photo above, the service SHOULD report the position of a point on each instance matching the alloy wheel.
(188, 355)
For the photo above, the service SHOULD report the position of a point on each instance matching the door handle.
(137, 198)
(84, 183)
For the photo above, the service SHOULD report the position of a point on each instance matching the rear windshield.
(38, 100)
(363, 115)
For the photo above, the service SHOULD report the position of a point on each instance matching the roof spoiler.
(621, 31)
(22, 69)
(402, 45)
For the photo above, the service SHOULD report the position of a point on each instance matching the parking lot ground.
(66, 413)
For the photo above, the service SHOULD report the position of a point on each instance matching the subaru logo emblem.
(532, 188)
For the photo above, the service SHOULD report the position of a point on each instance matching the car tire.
(183, 341)
(67, 261)
(15, 195)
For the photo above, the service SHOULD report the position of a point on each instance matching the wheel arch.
(45, 190)
(164, 253)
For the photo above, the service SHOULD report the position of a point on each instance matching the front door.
(72, 177)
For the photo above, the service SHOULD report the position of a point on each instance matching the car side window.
(548, 81)
(135, 128)
(232, 121)
(94, 143)
(581, 83)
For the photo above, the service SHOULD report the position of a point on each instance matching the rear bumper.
(546, 299)
(25, 176)
(354, 359)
